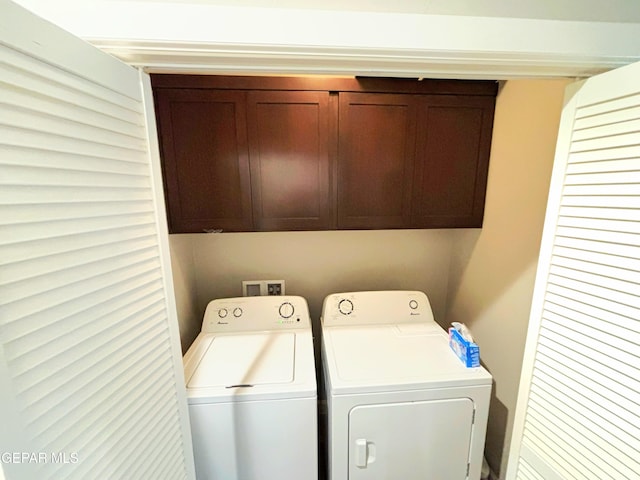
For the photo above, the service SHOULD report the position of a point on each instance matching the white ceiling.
(626, 11)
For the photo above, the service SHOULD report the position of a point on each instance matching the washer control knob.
(345, 306)
(237, 312)
(286, 310)
(222, 312)
(413, 304)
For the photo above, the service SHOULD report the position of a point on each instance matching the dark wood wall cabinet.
(278, 153)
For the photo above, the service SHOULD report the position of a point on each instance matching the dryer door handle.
(365, 452)
(361, 452)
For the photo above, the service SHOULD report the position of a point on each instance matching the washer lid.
(246, 360)
(387, 357)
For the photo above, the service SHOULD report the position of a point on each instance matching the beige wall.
(185, 287)
(493, 269)
(315, 264)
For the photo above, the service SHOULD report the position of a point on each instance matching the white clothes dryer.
(400, 403)
(251, 391)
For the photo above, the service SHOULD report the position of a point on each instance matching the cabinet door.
(376, 148)
(289, 158)
(205, 159)
(452, 161)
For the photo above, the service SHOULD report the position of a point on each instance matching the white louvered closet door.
(91, 382)
(578, 414)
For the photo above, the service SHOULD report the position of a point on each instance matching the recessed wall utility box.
(254, 288)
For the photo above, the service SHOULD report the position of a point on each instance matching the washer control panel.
(376, 308)
(261, 313)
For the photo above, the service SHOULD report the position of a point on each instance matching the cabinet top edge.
(356, 84)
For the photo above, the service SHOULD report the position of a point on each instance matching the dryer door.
(411, 440)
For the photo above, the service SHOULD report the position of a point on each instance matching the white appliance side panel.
(270, 440)
(411, 440)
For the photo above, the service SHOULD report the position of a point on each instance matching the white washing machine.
(400, 404)
(251, 389)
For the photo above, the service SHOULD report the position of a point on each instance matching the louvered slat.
(611, 225)
(599, 442)
(528, 473)
(16, 155)
(582, 409)
(24, 72)
(582, 416)
(84, 327)
(602, 155)
(577, 170)
(30, 139)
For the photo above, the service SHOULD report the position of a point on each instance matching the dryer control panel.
(376, 308)
(244, 314)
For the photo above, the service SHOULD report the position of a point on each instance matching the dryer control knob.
(222, 312)
(345, 306)
(237, 312)
(286, 310)
(413, 304)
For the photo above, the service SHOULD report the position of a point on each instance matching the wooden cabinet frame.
(432, 137)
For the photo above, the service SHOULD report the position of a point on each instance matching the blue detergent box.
(467, 351)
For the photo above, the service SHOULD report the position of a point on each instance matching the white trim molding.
(167, 57)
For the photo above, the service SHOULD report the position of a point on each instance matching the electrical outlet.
(253, 288)
(275, 288)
